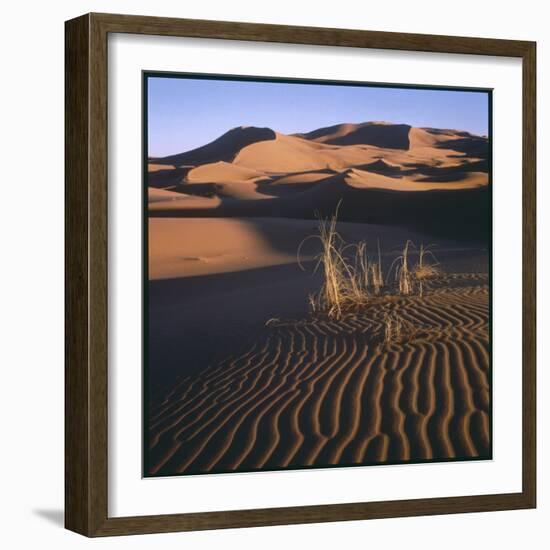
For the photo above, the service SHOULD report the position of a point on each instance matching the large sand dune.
(379, 134)
(303, 174)
(225, 147)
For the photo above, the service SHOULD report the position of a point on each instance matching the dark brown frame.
(86, 274)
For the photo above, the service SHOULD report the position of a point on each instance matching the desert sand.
(322, 393)
(243, 375)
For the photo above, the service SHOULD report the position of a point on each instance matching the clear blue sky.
(185, 113)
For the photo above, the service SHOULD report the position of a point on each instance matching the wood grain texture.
(87, 274)
(529, 372)
(97, 288)
(77, 459)
(165, 26)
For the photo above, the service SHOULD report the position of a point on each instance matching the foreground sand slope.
(318, 393)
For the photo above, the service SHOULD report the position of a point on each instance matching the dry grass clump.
(377, 278)
(413, 278)
(350, 277)
(403, 272)
(424, 271)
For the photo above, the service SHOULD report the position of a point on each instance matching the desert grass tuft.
(377, 278)
(349, 277)
(415, 278)
(426, 269)
(404, 277)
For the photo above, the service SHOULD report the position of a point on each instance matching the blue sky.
(185, 113)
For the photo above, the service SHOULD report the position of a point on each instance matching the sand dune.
(224, 148)
(223, 172)
(380, 172)
(426, 137)
(287, 154)
(152, 167)
(224, 179)
(221, 182)
(239, 190)
(162, 195)
(245, 154)
(282, 155)
(318, 393)
(362, 179)
(379, 134)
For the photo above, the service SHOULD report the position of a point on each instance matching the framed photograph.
(300, 275)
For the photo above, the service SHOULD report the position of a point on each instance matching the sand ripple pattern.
(318, 393)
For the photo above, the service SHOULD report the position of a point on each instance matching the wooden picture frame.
(86, 359)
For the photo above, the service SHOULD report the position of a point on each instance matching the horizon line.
(303, 133)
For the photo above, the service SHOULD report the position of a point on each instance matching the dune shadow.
(289, 189)
(169, 177)
(430, 170)
(473, 146)
(193, 321)
(461, 214)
